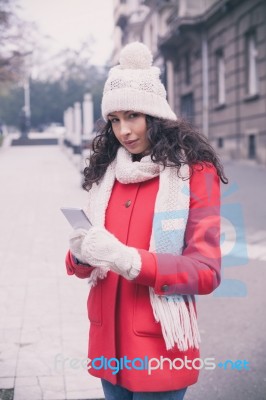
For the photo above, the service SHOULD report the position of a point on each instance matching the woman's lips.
(130, 143)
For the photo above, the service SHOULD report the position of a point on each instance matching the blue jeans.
(115, 392)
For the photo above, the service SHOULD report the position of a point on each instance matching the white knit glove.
(75, 241)
(100, 248)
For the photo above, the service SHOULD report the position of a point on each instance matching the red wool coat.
(121, 317)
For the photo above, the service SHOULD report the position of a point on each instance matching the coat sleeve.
(80, 270)
(197, 270)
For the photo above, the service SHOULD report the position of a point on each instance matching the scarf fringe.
(178, 322)
(97, 273)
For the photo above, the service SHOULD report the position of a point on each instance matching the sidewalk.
(43, 315)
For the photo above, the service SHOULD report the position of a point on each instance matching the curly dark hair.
(171, 142)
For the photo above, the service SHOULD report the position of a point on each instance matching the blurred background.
(54, 60)
(211, 54)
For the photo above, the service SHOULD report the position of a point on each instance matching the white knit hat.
(135, 85)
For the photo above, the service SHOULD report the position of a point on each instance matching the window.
(252, 84)
(220, 72)
(187, 69)
(220, 142)
(252, 146)
(187, 107)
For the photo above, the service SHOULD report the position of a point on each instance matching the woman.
(153, 200)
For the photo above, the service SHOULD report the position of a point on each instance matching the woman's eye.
(113, 120)
(133, 115)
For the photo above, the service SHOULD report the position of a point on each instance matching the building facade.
(213, 57)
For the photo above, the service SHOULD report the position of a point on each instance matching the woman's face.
(130, 129)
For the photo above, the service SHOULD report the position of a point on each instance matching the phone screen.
(76, 217)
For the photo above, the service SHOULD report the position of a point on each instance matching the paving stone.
(42, 310)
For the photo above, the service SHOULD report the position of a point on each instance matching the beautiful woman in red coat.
(154, 202)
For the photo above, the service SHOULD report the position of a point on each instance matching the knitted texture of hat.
(134, 85)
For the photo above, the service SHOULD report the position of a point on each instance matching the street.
(232, 322)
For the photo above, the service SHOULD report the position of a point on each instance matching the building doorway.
(252, 147)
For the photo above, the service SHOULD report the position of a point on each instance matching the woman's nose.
(124, 128)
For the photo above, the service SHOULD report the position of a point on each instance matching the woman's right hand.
(75, 242)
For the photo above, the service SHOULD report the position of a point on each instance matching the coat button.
(127, 203)
(164, 288)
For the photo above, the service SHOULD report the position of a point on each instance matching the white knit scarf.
(178, 321)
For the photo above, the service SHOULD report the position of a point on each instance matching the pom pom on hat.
(134, 85)
(135, 56)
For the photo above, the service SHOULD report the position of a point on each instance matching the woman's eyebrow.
(124, 113)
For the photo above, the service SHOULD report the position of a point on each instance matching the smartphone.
(76, 217)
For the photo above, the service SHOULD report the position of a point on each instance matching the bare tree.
(14, 42)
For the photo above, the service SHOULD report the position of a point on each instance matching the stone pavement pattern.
(43, 316)
(233, 323)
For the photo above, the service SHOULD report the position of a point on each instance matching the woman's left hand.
(100, 248)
